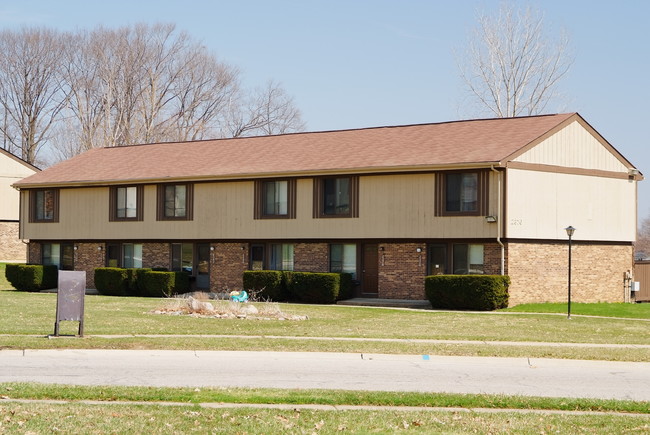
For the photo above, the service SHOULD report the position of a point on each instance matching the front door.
(203, 266)
(370, 270)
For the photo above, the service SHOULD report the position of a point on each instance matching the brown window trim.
(441, 194)
(32, 206)
(259, 200)
(112, 217)
(189, 203)
(319, 212)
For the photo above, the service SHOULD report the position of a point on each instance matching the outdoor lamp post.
(569, 232)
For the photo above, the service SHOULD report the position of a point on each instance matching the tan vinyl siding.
(542, 204)
(574, 147)
(390, 206)
(11, 171)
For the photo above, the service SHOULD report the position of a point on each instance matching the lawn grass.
(29, 317)
(4, 284)
(621, 310)
(312, 397)
(138, 419)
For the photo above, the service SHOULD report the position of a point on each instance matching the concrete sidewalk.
(332, 408)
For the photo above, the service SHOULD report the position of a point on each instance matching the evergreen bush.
(467, 292)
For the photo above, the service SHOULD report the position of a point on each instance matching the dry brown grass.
(199, 304)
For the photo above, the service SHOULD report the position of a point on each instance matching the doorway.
(203, 266)
(370, 270)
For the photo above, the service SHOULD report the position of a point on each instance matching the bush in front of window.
(32, 277)
(112, 281)
(467, 292)
(158, 284)
(181, 282)
(315, 288)
(346, 287)
(268, 284)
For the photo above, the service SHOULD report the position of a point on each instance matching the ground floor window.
(127, 255)
(457, 259)
(60, 255)
(468, 259)
(343, 259)
(281, 256)
(182, 257)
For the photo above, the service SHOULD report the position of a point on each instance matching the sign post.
(70, 299)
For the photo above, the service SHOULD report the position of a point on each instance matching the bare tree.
(268, 110)
(642, 245)
(31, 91)
(133, 84)
(512, 66)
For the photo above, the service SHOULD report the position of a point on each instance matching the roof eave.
(257, 175)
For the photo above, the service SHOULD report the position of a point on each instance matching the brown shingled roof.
(411, 147)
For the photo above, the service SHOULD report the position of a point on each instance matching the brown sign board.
(70, 298)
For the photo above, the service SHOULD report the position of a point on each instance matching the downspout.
(499, 216)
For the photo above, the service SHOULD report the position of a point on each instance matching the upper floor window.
(336, 197)
(44, 205)
(175, 201)
(126, 203)
(462, 193)
(275, 199)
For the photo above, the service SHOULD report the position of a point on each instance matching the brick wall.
(34, 253)
(311, 257)
(402, 270)
(87, 257)
(156, 255)
(539, 272)
(12, 250)
(228, 263)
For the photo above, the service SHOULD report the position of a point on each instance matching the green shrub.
(157, 284)
(467, 292)
(346, 287)
(270, 284)
(32, 277)
(112, 281)
(181, 282)
(315, 288)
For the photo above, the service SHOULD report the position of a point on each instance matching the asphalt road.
(305, 370)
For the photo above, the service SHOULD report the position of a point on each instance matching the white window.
(281, 257)
(468, 259)
(343, 259)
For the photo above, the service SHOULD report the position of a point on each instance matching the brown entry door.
(370, 270)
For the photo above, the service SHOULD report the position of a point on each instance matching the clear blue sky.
(365, 63)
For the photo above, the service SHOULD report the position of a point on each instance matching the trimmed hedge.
(467, 292)
(112, 281)
(181, 282)
(32, 277)
(270, 284)
(315, 288)
(158, 284)
(346, 287)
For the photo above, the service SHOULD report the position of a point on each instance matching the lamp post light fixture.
(569, 232)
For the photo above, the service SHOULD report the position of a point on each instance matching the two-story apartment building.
(390, 205)
(12, 169)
